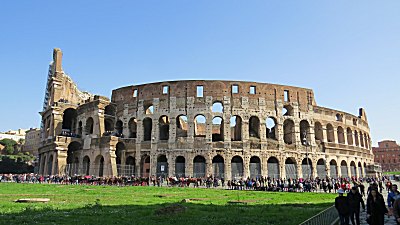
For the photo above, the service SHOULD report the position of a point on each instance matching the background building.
(32, 141)
(14, 135)
(387, 154)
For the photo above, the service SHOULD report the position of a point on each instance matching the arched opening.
(163, 126)
(50, 165)
(333, 169)
(119, 152)
(287, 110)
(306, 166)
(349, 136)
(356, 140)
(147, 128)
(69, 122)
(43, 165)
(340, 134)
(72, 155)
(149, 109)
(353, 169)
(199, 166)
(255, 167)
(108, 126)
(366, 141)
(273, 167)
(130, 166)
(236, 128)
(180, 166)
(99, 165)
(237, 167)
(288, 132)
(339, 117)
(217, 129)
(89, 126)
(360, 171)
(218, 166)
(330, 133)
(145, 166)
(343, 169)
(319, 134)
(305, 132)
(272, 132)
(361, 139)
(200, 126)
(80, 129)
(119, 126)
(182, 126)
(162, 166)
(132, 124)
(86, 165)
(290, 167)
(217, 107)
(365, 169)
(109, 110)
(254, 127)
(321, 169)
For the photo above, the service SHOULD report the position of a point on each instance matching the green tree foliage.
(9, 145)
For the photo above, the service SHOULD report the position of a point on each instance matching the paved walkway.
(363, 215)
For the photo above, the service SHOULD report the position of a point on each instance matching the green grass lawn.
(154, 205)
(392, 173)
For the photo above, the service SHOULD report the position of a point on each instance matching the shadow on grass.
(171, 213)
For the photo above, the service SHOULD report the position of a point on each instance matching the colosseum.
(197, 128)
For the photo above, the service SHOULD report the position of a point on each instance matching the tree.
(9, 145)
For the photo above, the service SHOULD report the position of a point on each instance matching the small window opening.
(165, 90)
(286, 95)
(252, 90)
(200, 91)
(134, 93)
(235, 89)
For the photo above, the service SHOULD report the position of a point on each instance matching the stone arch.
(273, 167)
(89, 125)
(361, 139)
(119, 127)
(319, 134)
(182, 126)
(291, 168)
(149, 109)
(360, 172)
(217, 107)
(340, 135)
(333, 169)
(43, 165)
(349, 136)
(130, 166)
(69, 121)
(287, 110)
(145, 166)
(365, 169)
(356, 139)
(200, 126)
(306, 166)
(305, 132)
(343, 169)
(339, 117)
(255, 167)
(353, 169)
(321, 168)
(147, 128)
(108, 126)
(237, 167)
(73, 147)
(330, 133)
(50, 165)
(132, 124)
(162, 166)
(271, 127)
(254, 127)
(99, 165)
(80, 129)
(366, 141)
(218, 166)
(110, 110)
(163, 127)
(217, 129)
(236, 128)
(180, 163)
(86, 165)
(288, 131)
(119, 152)
(199, 166)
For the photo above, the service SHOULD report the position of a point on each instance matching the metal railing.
(329, 216)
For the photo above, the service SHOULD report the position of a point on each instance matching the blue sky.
(348, 52)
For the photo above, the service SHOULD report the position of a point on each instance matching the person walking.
(393, 195)
(342, 206)
(396, 210)
(376, 208)
(355, 199)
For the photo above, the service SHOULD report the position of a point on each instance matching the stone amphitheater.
(197, 128)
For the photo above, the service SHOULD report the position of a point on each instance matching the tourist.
(355, 199)
(342, 206)
(393, 195)
(396, 210)
(376, 208)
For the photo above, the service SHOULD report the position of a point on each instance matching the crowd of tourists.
(349, 206)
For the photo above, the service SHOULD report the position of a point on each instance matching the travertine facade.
(195, 128)
(32, 141)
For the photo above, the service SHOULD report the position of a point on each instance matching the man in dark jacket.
(355, 199)
(342, 206)
(396, 210)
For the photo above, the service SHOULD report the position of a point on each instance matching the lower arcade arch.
(218, 166)
(273, 167)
